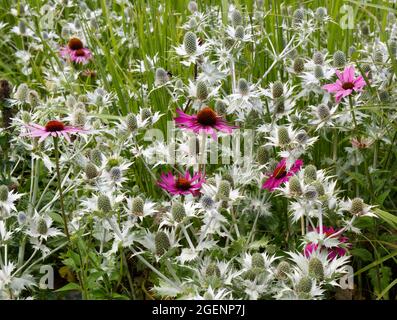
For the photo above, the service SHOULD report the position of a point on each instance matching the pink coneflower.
(182, 184)
(76, 52)
(333, 252)
(206, 119)
(53, 128)
(281, 174)
(346, 83)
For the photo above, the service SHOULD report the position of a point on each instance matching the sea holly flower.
(346, 84)
(206, 120)
(53, 128)
(76, 52)
(183, 184)
(281, 174)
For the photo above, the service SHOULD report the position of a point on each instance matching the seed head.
(212, 270)
(161, 76)
(220, 107)
(79, 118)
(299, 15)
(146, 113)
(311, 193)
(318, 72)
(96, 157)
(319, 188)
(207, 202)
(33, 98)
(115, 173)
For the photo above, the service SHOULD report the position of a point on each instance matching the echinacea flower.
(333, 251)
(346, 83)
(53, 128)
(281, 174)
(205, 120)
(76, 52)
(182, 184)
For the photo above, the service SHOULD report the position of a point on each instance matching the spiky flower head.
(192, 6)
(131, 121)
(3, 193)
(207, 202)
(295, 186)
(202, 90)
(319, 187)
(33, 98)
(96, 156)
(162, 243)
(115, 173)
(310, 173)
(257, 260)
(220, 107)
(318, 72)
(161, 76)
(323, 111)
(299, 15)
(339, 59)
(137, 205)
(42, 227)
(283, 269)
(146, 113)
(311, 193)
(316, 269)
(384, 96)
(224, 190)
(318, 58)
(22, 92)
(104, 204)
(378, 56)
(178, 211)
(357, 206)
(299, 65)
(212, 270)
(302, 136)
(237, 18)
(239, 32)
(91, 170)
(304, 285)
(253, 273)
(262, 155)
(79, 117)
(320, 13)
(277, 89)
(190, 43)
(243, 87)
(283, 136)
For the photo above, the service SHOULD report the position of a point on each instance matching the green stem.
(65, 220)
